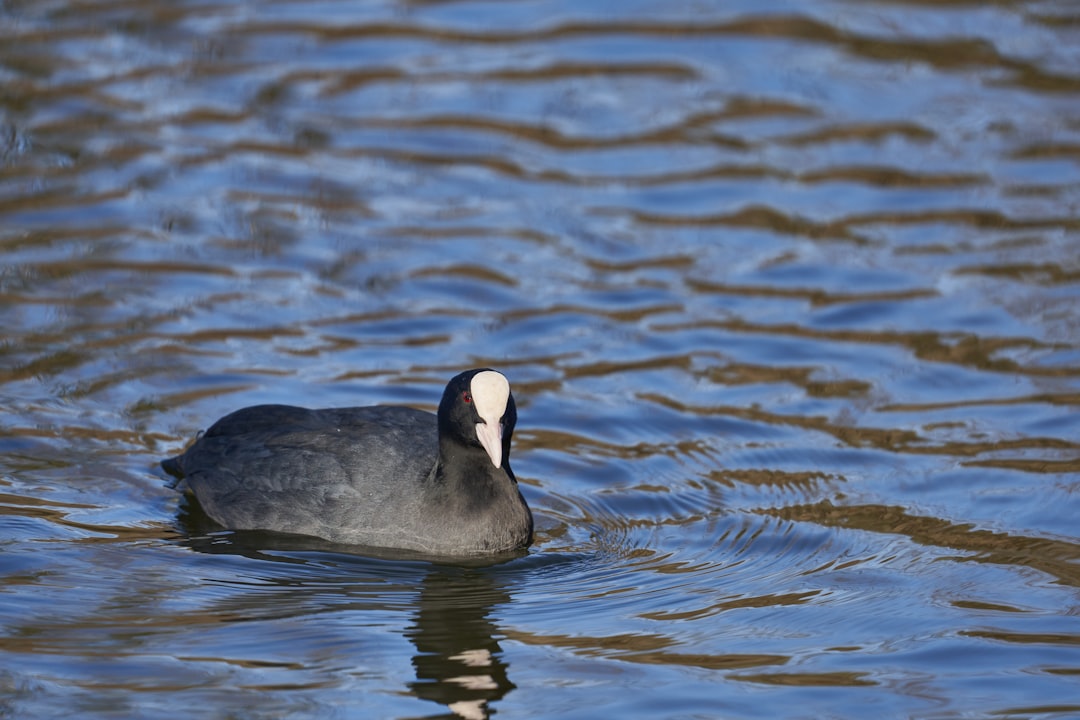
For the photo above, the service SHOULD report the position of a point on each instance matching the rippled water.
(789, 294)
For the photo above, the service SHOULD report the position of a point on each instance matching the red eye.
(466, 396)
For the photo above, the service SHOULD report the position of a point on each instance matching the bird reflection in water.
(458, 660)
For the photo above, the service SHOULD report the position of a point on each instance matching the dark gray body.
(373, 476)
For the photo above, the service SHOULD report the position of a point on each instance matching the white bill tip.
(490, 392)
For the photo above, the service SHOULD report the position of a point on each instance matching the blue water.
(787, 293)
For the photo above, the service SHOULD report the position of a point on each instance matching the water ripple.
(787, 298)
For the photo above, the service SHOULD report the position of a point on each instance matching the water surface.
(789, 295)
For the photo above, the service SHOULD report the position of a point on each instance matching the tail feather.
(174, 467)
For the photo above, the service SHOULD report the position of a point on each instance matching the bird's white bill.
(490, 436)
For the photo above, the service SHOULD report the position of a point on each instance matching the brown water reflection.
(788, 297)
(1054, 557)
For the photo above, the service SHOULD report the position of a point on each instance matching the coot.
(383, 476)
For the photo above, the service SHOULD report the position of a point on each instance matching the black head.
(477, 410)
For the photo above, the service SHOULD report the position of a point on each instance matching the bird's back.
(351, 475)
